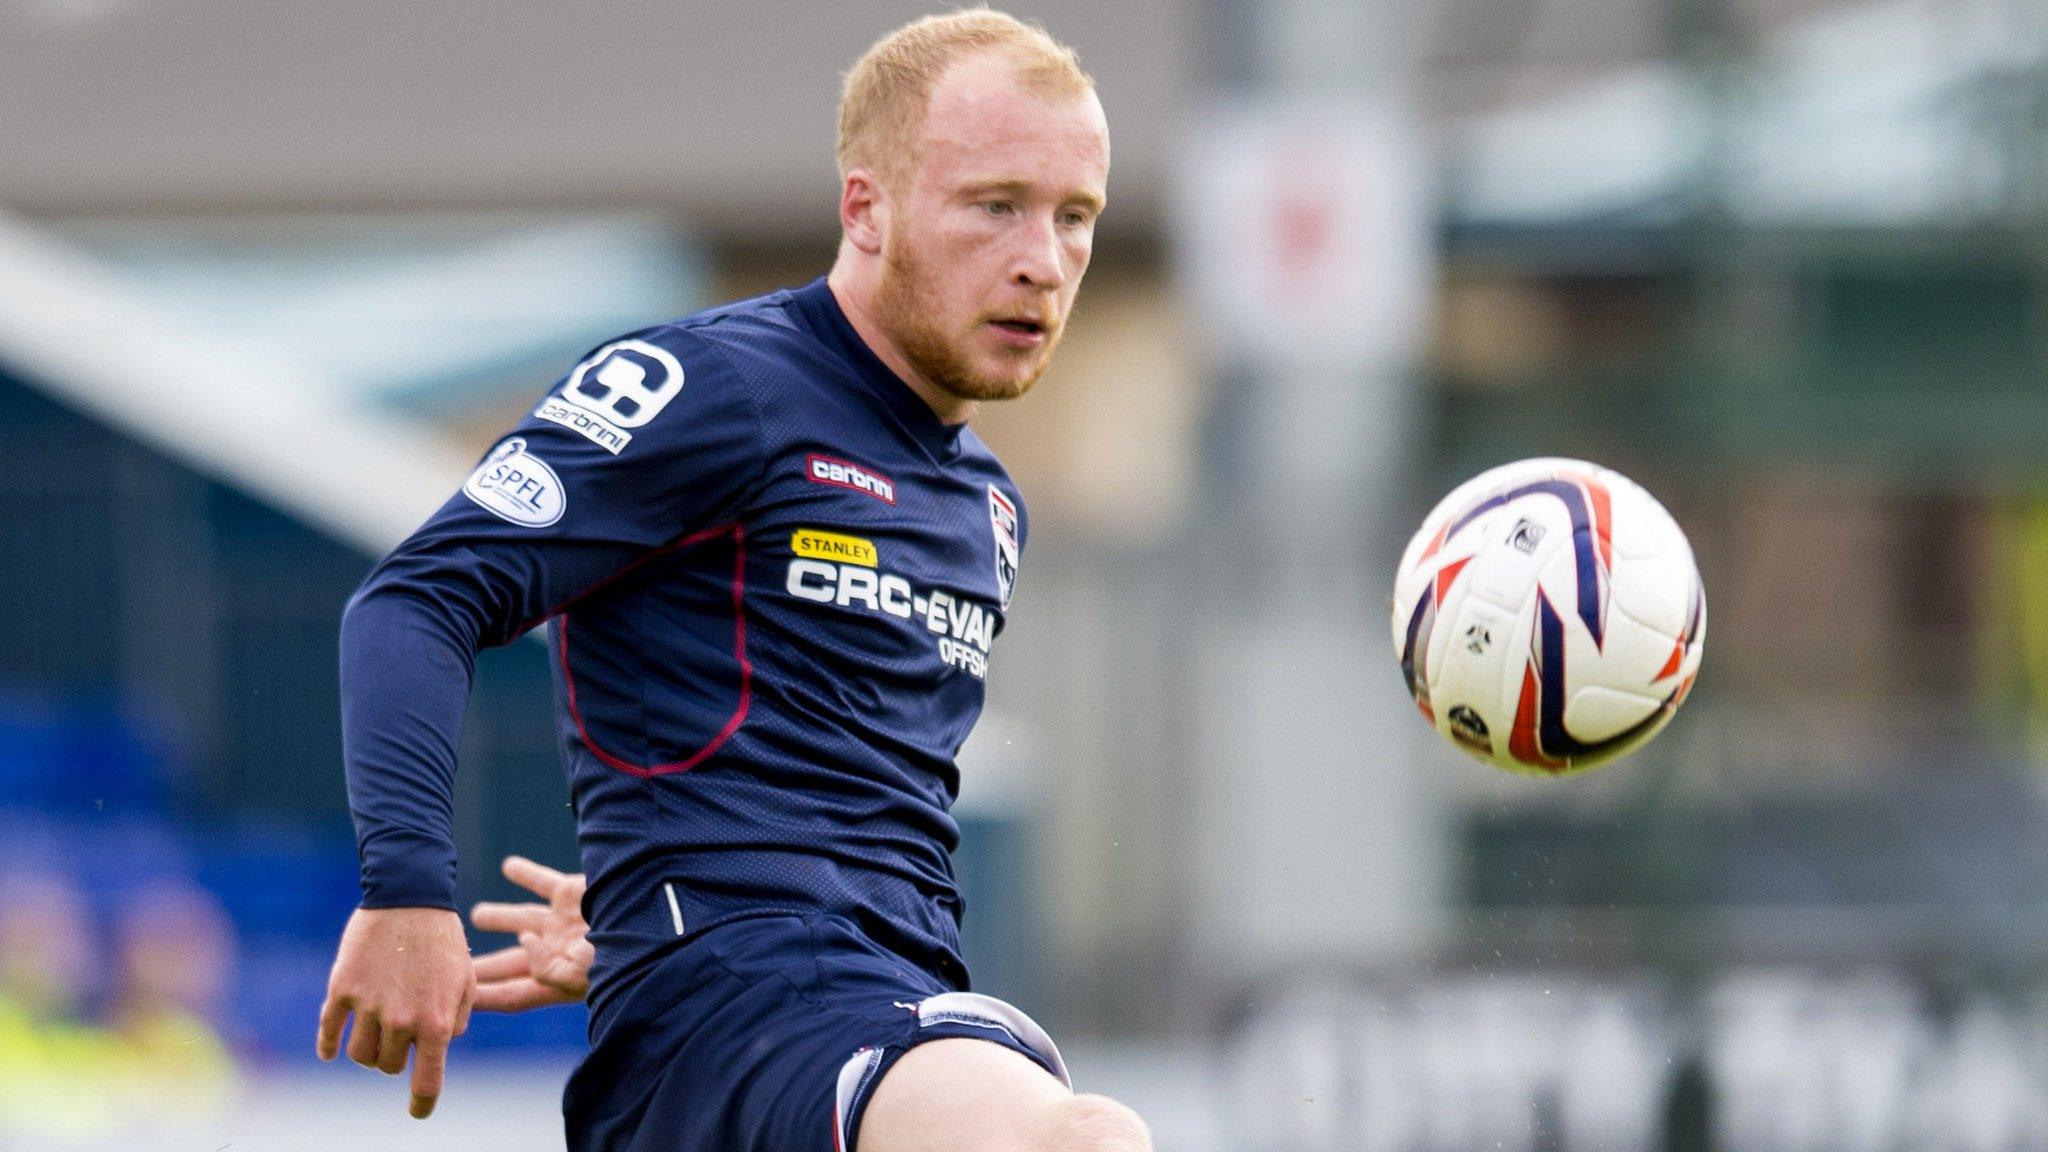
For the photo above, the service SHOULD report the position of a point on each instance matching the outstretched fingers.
(533, 876)
(511, 919)
(519, 995)
(567, 969)
(504, 964)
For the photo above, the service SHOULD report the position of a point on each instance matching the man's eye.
(997, 207)
(1074, 219)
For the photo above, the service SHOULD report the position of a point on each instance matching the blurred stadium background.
(273, 276)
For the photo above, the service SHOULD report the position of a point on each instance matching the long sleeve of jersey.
(649, 439)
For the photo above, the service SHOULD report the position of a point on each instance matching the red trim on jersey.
(665, 549)
(739, 645)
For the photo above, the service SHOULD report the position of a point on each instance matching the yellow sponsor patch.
(818, 545)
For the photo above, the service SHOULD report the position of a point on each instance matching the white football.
(1549, 617)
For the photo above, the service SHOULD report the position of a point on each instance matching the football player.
(773, 559)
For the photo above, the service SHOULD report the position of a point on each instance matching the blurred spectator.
(51, 1060)
(177, 959)
(156, 1056)
(46, 946)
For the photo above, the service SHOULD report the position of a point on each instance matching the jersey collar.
(821, 310)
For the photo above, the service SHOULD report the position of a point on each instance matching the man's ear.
(864, 211)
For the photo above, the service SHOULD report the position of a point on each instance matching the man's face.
(992, 231)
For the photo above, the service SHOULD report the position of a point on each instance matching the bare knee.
(1094, 1124)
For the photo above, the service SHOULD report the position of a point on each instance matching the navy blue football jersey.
(772, 577)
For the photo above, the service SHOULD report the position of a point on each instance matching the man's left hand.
(551, 962)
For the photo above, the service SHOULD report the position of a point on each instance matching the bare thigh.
(961, 1095)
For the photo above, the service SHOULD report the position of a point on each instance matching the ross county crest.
(1002, 517)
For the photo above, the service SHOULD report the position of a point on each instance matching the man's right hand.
(405, 974)
(551, 962)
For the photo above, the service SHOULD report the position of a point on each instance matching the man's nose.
(1039, 262)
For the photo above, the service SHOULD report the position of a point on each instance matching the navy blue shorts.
(769, 1034)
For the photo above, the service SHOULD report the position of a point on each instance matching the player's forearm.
(406, 666)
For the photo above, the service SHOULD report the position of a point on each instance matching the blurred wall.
(210, 105)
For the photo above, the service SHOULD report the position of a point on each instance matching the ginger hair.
(882, 106)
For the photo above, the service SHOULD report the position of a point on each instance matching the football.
(1549, 616)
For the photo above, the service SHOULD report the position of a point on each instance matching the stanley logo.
(816, 545)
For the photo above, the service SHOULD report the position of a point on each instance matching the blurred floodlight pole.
(1303, 251)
